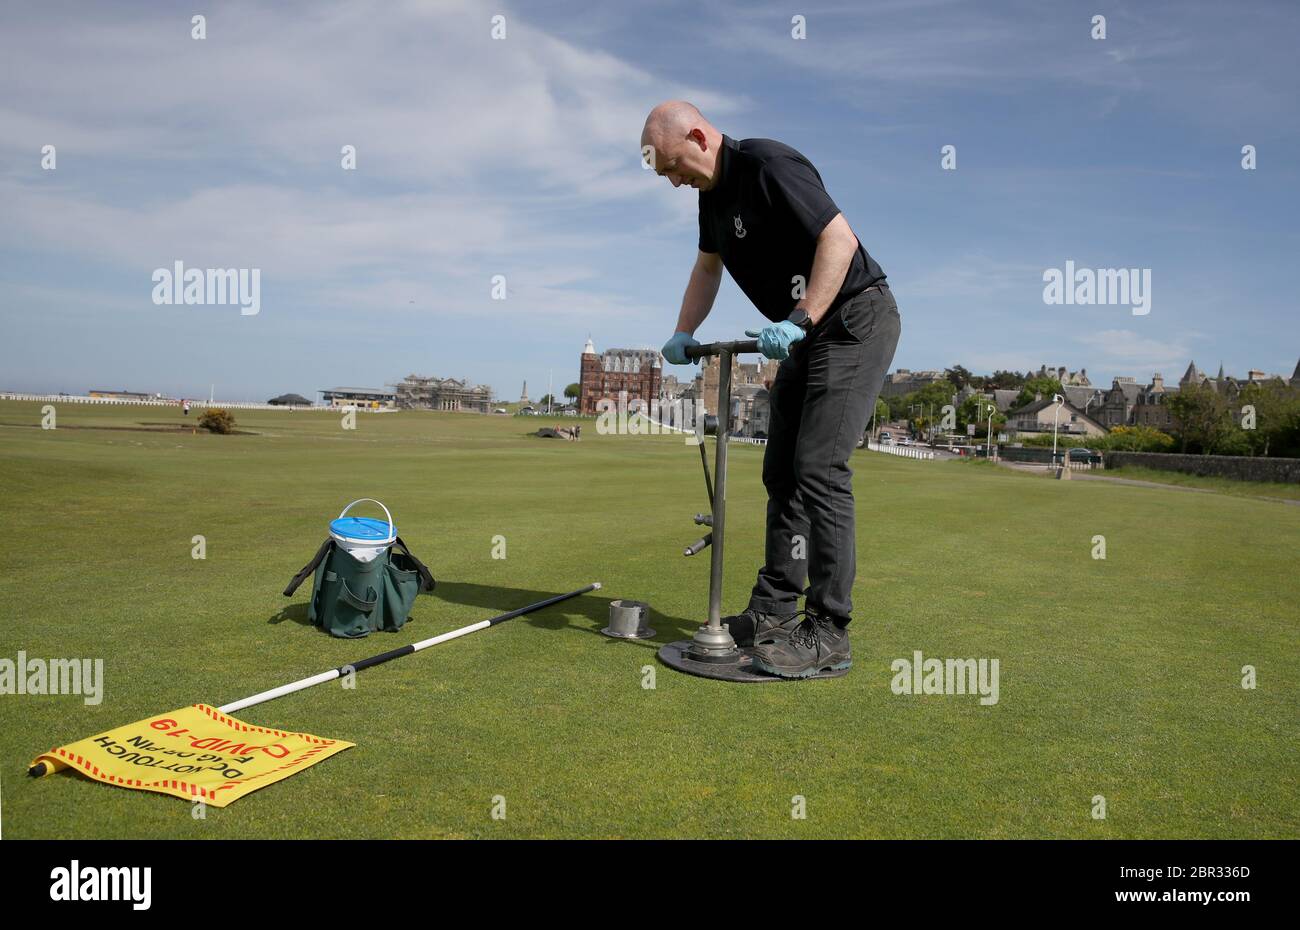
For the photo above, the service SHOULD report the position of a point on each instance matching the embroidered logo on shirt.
(740, 228)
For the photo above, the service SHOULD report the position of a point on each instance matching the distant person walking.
(185, 405)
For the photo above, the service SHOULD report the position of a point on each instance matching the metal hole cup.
(627, 620)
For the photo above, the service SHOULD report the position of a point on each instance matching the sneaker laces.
(805, 632)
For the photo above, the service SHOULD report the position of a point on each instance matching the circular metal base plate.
(643, 633)
(677, 655)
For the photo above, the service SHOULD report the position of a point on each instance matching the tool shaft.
(370, 661)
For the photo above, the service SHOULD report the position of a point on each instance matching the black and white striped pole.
(382, 657)
(44, 768)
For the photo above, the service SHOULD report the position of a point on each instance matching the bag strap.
(309, 567)
(427, 582)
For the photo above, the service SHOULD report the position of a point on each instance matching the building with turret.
(905, 381)
(1064, 375)
(604, 376)
(1228, 385)
(1151, 407)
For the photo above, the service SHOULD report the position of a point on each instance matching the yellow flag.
(196, 753)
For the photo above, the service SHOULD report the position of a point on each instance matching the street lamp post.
(1056, 416)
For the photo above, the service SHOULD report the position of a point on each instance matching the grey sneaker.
(752, 627)
(815, 645)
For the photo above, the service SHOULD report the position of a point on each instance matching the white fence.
(1068, 463)
(146, 402)
(911, 452)
(677, 429)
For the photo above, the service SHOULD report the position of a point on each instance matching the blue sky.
(519, 157)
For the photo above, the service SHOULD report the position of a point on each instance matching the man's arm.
(835, 248)
(702, 289)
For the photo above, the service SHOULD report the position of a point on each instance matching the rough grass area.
(1118, 677)
(1209, 483)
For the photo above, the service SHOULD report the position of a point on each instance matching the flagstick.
(396, 653)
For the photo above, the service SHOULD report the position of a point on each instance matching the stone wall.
(1241, 467)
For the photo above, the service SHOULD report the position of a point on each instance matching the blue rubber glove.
(774, 341)
(674, 349)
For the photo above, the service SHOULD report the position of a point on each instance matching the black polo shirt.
(764, 216)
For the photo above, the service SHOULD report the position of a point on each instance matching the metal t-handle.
(717, 348)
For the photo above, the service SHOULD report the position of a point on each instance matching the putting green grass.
(1118, 677)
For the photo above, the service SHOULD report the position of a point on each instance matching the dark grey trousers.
(821, 403)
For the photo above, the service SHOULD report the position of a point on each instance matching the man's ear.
(699, 138)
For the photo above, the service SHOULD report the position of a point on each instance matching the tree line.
(1263, 419)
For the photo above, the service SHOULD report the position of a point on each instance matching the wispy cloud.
(1126, 350)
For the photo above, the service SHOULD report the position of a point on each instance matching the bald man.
(765, 216)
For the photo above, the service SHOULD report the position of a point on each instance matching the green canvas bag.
(352, 598)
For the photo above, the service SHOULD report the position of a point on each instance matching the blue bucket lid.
(363, 529)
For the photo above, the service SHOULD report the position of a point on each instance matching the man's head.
(683, 145)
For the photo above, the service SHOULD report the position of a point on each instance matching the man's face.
(684, 163)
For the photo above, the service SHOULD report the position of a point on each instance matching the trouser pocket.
(861, 315)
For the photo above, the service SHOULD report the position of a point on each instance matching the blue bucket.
(363, 537)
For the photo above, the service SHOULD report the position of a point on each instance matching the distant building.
(1119, 403)
(1088, 399)
(671, 389)
(1042, 416)
(603, 377)
(1064, 375)
(1228, 385)
(373, 398)
(1151, 409)
(1152, 406)
(751, 411)
(420, 392)
(967, 392)
(1005, 398)
(289, 400)
(753, 374)
(124, 395)
(905, 381)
